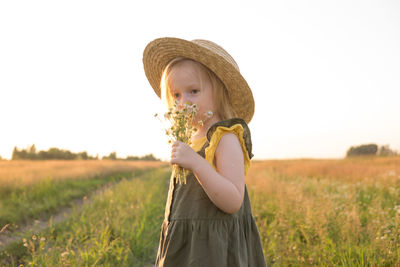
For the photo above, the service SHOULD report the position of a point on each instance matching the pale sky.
(325, 74)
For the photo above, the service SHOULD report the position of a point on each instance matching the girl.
(208, 221)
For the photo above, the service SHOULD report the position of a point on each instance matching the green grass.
(120, 227)
(25, 204)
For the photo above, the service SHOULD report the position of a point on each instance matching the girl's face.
(188, 83)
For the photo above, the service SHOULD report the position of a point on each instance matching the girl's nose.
(185, 100)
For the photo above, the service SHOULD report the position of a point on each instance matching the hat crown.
(159, 52)
(218, 50)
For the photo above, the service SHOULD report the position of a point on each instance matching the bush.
(362, 150)
(371, 150)
(387, 151)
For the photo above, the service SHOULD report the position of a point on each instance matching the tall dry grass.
(25, 172)
(309, 212)
(366, 169)
(328, 211)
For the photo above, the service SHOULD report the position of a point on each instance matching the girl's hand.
(183, 155)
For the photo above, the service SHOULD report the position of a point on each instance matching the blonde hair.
(220, 93)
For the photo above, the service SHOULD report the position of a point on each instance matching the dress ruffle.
(236, 129)
(210, 242)
(229, 123)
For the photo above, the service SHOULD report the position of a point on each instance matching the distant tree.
(82, 155)
(149, 157)
(132, 158)
(386, 151)
(362, 150)
(111, 156)
(19, 154)
(31, 151)
(15, 153)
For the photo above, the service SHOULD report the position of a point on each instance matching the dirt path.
(7, 237)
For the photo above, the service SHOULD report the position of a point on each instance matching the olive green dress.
(197, 233)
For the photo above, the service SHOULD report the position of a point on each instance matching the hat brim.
(161, 51)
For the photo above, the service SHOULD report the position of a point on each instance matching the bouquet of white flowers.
(181, 129)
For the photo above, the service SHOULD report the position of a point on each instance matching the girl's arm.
(225, 188)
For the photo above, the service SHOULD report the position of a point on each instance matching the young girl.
(208, 221)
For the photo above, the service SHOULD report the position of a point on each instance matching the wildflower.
(207, 115)
(34, 237)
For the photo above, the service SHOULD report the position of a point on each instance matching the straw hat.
(161, 51)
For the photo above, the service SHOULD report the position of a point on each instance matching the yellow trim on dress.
(236, 129)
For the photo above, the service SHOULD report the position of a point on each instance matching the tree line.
(371, 150)
(31, 153)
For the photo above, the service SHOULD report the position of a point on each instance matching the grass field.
(30, 189)
(309, 212)
(328, 212)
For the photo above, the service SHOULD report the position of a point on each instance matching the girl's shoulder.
(236, 126)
